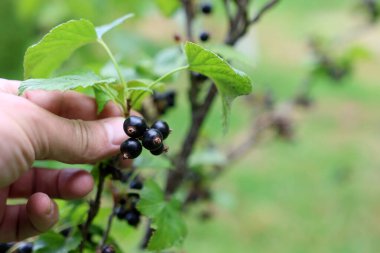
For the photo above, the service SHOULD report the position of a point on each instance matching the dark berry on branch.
(108, 249)
(4, 247)
(170, 98)
(152, 139)
(136, 184)
(163, 127)
(204, 36)
(120, 212)
(65, 232)
(134, 126)
(131, 148)
(133, 217)
(25, 248)
(160, 150)
(206, 8)
(200, 77)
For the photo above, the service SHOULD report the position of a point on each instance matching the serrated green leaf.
(101, 30)
(170, 227)
(168, 7)
(55, 47)
(230, 82)
(151, 199)
(64, 83)
(52, 242)
(101, 98)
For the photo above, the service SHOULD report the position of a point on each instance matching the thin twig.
(93, 210)
(108, 228)
(269, 5)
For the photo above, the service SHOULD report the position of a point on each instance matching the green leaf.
(55, 47)
(101, 30)
(52, 242)
(170, 227)
(168, 7)
(152, 199)
(101, 98)
(64, 83)
(230, 82)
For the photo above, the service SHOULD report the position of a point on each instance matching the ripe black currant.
(25, 248)
(133, 217)
(131, 148)
(108, 249)
(134, 126)
(4, 247)
(163, 127)
(65, 232)
(204, 36)
(160, 150)
(120, 212)
(136, 184)
(206, 8)
(152, 139)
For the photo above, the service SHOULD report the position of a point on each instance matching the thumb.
(78, 141)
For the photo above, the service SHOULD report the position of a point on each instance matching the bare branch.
(263, 10)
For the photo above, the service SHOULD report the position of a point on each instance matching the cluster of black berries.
(126, 209)
(151, 138)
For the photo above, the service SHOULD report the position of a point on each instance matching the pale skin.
(62, 126)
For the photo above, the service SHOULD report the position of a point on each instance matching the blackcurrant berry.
(206, 8)
(170, 98)
(108, 249)
(65, 232)
(152, 139)
(25, 248)
(204, 36)
(200, 77)
(120, 212)
(134, 126)
(160, 150)
(4, 247)
(133, 217)
(131, 148)
(163, 127)
(136, 184)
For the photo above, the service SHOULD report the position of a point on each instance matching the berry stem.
(163, 77)
(123, 92)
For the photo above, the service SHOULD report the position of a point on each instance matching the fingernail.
(115, 132)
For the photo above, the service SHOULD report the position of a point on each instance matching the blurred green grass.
(320, 192)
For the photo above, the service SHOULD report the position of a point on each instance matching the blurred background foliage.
(319, 192)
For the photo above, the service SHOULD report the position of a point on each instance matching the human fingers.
(68, 104)
(23, 221)
(72, 105)
(64, 184)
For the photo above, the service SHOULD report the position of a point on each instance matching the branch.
(94, 208)
(108, 228)
(263, 10)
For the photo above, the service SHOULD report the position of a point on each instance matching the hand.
(61, 126)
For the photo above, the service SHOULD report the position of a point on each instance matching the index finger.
(68, 104)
